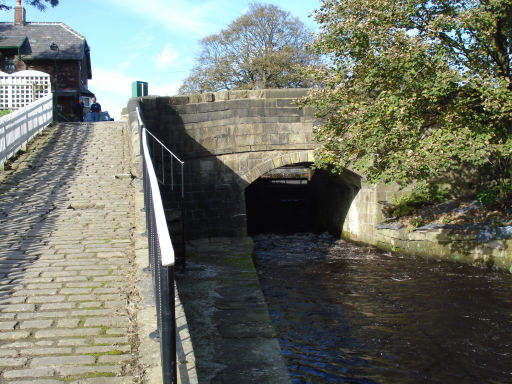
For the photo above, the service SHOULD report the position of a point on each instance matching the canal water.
(350, 314)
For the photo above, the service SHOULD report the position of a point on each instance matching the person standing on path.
(95, 110)
(79, 109)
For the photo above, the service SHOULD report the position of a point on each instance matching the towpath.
(67, 292)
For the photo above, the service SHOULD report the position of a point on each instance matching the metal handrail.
(165, 183)
(164, 147)
(161, 223)
(161, 261)
(173, 156)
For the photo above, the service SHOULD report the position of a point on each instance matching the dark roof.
(12, 41)
(72, 45)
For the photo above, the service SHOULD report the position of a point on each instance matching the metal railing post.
(183, 246)
(163, 164)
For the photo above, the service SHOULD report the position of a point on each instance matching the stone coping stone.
(288, 93)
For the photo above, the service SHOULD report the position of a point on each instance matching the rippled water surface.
(349, 314)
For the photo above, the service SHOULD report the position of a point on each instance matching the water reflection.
(348, 314)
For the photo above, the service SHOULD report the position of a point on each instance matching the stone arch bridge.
(230, 139)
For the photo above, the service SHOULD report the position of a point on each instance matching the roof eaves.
(70, 30)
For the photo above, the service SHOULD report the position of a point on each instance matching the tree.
(263, 48)
(39, 4)
(414, 88)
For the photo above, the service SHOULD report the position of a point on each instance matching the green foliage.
(421, 193)
(492, 195)
(264, 48)
(4, 112)
(417, 222)
(487, 197)
(39, 4)
(414, 88)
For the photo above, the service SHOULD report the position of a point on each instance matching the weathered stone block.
(30, 373)
(289, 112)
(172, 100)
(36, 324)
(190, 118)
(196, 98)
(292, 93)
(286, 103)
(221, 96)
(14, 335)
(96, 369)
(417, 236)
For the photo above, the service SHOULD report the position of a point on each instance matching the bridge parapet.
(233, 122)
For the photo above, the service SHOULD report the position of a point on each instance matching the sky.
(155, 41)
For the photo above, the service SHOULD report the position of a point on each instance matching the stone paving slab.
(67, 290)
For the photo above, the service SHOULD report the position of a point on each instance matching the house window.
(9, 64)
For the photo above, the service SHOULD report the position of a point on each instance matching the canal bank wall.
(487, 244)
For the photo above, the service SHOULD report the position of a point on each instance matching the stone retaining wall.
(459, 245)
(449, 242)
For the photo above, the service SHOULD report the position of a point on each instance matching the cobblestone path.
(66, 286)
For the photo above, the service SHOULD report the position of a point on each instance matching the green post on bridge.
(139, 88)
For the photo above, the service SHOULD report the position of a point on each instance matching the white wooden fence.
(18, 127)
(22, 88)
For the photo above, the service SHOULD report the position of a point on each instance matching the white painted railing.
(22, 88)
(18, 127)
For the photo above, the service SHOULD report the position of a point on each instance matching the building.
(52, 48)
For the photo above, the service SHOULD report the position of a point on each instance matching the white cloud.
(143, 39)
(179, 15)
(169, 89)
(132, 51)
(166, 58)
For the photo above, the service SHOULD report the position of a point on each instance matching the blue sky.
(148, 40)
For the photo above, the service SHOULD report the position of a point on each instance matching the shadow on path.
(29, 194)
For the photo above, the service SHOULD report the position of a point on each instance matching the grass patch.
(115, 352)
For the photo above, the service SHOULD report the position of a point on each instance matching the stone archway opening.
(280, 201)
(295, 198)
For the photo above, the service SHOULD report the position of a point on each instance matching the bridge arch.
(274, 161)
(280, 195)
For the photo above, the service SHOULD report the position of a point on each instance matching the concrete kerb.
(149, 349)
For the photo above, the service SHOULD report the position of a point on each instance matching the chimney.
(19, 14)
